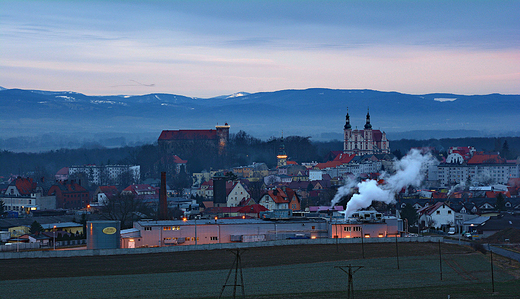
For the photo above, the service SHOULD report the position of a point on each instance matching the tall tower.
(219, 190)
(282, 156)
(223, 137)
(368, 143)
(347, 133)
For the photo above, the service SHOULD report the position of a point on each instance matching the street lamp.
(54, 235)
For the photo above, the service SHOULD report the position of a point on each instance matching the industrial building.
(151, 233)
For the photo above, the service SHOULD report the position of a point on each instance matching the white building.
(451, 174)
(438, 215)
(364, 142)
(108, 174)
(236, 194)
(23, 196)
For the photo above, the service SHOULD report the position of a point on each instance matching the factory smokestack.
(163, 202)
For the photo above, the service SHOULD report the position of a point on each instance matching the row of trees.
(242, 149)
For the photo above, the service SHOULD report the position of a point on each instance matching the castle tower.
(223, 137)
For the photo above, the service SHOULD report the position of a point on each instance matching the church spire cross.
(347, 122)
(368, 125)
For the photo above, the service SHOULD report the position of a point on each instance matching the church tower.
(282, 156)
(347, 129)
(368, 143)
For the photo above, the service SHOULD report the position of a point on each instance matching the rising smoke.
(409, 172)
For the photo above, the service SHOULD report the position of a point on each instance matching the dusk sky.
(211, 48)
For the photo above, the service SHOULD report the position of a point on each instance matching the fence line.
(122, 251)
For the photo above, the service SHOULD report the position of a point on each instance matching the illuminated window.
(167, 228)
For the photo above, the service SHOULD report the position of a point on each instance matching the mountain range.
(317, 112)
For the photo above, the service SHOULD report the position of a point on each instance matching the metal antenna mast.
(237, 266)
(350, 272)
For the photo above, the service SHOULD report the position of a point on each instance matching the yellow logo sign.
(109, 230)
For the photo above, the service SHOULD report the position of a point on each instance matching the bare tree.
(124, 207)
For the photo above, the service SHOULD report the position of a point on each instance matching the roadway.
(494, 248)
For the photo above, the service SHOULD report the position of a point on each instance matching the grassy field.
(304, 271)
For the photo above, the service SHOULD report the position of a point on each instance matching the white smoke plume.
(460, 186)
(409, 172)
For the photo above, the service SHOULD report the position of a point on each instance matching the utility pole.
(492, 272)
(440, 258)
(237, 266)
(350, 272)
(362, 242)
(397, 252)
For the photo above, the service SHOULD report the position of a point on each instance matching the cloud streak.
(408, 46)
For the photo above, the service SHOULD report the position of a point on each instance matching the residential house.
(23, 195)
(438, 215)
(279, 198)
(102, 195)
(36, 238)
(69, 195)
(142, 192)
(236, 193)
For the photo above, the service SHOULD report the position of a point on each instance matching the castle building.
(182, 142)
(364, 142)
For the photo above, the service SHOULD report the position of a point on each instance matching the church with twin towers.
(364, 142)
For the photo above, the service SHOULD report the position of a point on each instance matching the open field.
(303, 271)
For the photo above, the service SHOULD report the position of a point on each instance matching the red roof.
(493, 194)
(208, 183)
(278, 195)
(430, 209)
(218, 210)
(377, 135)
(256, 208)
(141, 188)
(481, 158)
(345, 158)
(330, 164)
(25, 185)
(439, 195)
(63, 171)
(514, 182)
(108, 190)
(172, 159)
(188, 134)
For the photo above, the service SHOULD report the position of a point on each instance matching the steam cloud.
(409, 172)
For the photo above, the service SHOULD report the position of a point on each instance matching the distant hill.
(315, 112)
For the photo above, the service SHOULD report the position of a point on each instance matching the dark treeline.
(243, 149)
(509, 147)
